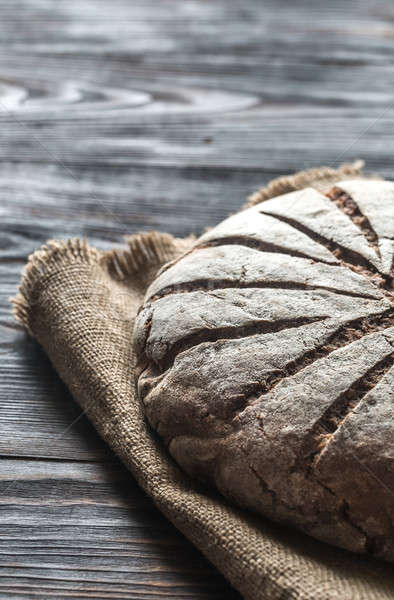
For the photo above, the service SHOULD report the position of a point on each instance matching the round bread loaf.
(266, 361)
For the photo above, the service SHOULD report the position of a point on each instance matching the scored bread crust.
(266, 361)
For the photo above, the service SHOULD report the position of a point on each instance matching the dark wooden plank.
(105, 203)
(260, 86)
(87, 530)
(38, 417)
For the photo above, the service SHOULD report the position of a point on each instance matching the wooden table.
(119, 116)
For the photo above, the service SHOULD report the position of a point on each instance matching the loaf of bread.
(266, 362)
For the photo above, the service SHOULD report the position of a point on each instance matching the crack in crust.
(348, 333)
(218, 284)
(334, 417)
(347, 205)
(231, 333)
(259, 245)
(347, 257)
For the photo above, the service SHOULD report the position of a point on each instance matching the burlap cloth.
(80, 304)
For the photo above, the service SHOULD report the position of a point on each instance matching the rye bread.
(266, 361)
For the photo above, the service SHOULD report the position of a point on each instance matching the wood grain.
(123, 116)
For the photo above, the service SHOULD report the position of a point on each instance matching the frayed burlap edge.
(149, 248)
(54, 255)
(319, 178)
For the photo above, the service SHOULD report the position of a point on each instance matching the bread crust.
(266, 362)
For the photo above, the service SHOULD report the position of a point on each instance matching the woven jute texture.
(80, 305)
